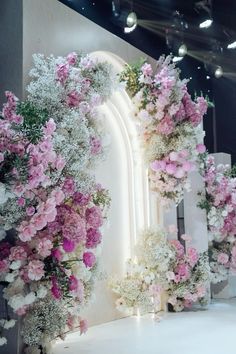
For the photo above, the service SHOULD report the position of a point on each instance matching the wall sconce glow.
(182, 51)
(218, 72)
(206, 24)
(131, 22)
(232, 45)
(177, 59)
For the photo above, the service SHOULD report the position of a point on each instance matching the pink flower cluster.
(221, 199)
(180, 276)
(165, 108)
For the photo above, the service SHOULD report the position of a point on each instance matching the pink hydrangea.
(69, 186)
(94, 237)
(89, 259)
(68, 245)
(73, 99)
(94, 217)
(178, 247)
(166, 126)
(192, 256)
(72, 58)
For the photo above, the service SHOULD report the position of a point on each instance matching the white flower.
(15, 265)
(10, 277)
(9, 324)
(30, 298)
(42, 292)
(3, 341)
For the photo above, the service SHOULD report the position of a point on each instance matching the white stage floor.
(201, 332)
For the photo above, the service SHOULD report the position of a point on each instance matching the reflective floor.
(211, 331)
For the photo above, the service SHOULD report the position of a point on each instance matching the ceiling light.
(232, 45)
(206, 24)
(218, 72)
(182, 51)
(131, 22)
(177, 59)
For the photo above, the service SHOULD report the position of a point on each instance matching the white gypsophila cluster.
(153, 250)
(75, 126)
(133, 293)
(10, 213)
(218, 272)
(5, 194)
(44, 322)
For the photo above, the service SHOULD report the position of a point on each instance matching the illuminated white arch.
(119, 109)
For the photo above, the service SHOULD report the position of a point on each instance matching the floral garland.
(219, 202)
(48, 194)
(169, 123)
(162, 265)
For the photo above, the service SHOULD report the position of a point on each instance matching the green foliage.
(34, 119)
(131, 77)
(12, 160)
(232, 172)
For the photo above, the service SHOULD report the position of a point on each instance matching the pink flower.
(89, 259)
(202, 105)
(158, 165)
(83, 324)
(21, 201)
(55, 290)
(173, 156)
(95, 145)
(94, 217)
(201, 148)
(35, 270)
(178, 247)
(222, 258)
(171, 168)
(187, 166)
(50, 127)
(81, 199)
(93, 238)
(146, 69)
(179, 173)
(68, 245)
(58, 196)
(59, 163)
(62, 72)
(4, 266)
(186, 238)
(44, 247)
(30, 211)
(69, 186)
(72, 58)
(73, 283)
(56, 253)
(192, 255)
(18, 253)
(26, 231)
(39, 221)
(166, 125)
(73, 99)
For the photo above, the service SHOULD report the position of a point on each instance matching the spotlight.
(232, 45)
(206, 24)
(177, 59)
(218, 72)
(182, 51)
(131, 22)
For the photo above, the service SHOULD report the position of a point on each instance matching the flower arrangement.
(219, 201)
(169, 124)
(48, 194)
(162, 265)
(222, 260)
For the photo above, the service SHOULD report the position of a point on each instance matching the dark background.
(156, 18)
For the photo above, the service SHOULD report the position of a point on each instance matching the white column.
(195, 218)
